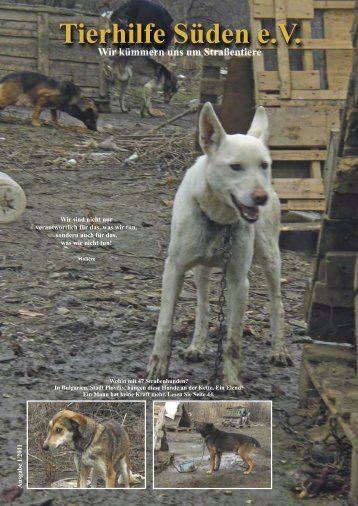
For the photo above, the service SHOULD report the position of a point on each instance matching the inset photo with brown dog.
(212, 444)
(76, 444)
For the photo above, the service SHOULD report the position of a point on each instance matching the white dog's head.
(238, 166)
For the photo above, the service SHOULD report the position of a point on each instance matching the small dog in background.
(102, 449)
(40, 91)
(119, 73)
(229, 186)
(218, 442)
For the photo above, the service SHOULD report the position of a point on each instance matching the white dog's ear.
(260, 127)
(211, 132)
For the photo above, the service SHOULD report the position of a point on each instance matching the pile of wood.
(330, 370)
(236, 416)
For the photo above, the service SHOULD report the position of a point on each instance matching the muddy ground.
(70, 322)
(189, 447)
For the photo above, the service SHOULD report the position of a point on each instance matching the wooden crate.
(30, 39)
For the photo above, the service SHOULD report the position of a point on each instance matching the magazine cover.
(179, 252)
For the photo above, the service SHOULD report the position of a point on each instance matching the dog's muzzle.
(45, 446)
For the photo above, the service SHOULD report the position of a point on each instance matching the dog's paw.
(281, 358)
(36, 123)
(158, 367)
(193, 353)
(247, 472)
(209, 472)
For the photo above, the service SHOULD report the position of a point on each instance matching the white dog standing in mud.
(229, 185)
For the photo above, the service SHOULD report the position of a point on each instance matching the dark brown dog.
(32, 88)
(218, 442)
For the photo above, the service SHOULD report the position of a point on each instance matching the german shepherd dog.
(217, 442)
(101, 448)
(38, 90)
(119, 74)
(227, 188)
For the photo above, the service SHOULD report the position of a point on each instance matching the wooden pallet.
(303, 97)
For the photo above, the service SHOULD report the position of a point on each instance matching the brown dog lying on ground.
(102, 448)
(32, 88)
(218, 442)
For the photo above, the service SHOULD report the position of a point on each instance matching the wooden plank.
(319, 95)
(43, 43)
(300, 80)
(282, 52)
(298, 188)
(332, 4)
(331, 353)
(306, 31)
(329, 169)
(297, 126)
(75, 53)
(315, 171)
(303, 205)
(266, 9)
(258, 63)
(338, 25)
(6, 32)
(18, 46)
(272, 100)
(338, 235)
(15, 14)
(340, 267)
(289, 155)
(80, 73)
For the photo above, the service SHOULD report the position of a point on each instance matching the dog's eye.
(264, 165)
(58, 430)
(236, 166)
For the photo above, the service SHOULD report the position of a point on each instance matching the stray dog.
(144, 12)
(41, 91)
(229, 186)
(217, 442)
(120, 72)
(102, 448)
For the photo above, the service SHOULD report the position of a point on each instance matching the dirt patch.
(71, 322)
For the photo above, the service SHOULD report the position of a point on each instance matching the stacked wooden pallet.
(303, 88)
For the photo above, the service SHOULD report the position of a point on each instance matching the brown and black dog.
(101, 448)
(40, 91)
(217, 442)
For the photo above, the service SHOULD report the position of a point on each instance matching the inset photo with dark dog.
(214, 444)
(76, 444)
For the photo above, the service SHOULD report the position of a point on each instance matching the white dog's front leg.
(268, 254)
(198, 345)
(238, 289)
(172, 282)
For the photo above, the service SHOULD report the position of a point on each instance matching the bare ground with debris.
(71, 322)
